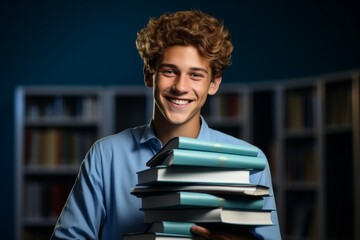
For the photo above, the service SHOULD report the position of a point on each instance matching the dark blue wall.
(67, 43)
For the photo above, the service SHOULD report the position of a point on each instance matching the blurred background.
(288, 55)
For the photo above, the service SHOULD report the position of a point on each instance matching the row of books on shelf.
(53, 147)
(44, 200)
(338, 106)
(300, 110)
(192, 181)
(61, 107)
(224, 105)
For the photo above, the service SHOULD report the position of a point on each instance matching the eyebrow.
(174, 66)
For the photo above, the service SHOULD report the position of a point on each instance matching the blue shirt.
(100, 205)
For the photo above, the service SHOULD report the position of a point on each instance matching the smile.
(178, 101)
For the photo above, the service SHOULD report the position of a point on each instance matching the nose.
(180, 83)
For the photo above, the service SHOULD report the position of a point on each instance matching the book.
(203, 145)
(157, 236)
(167, 227)
(193, 175)
(195, 199)
(210, 215)
(208, 159)
(239, 189)
(184, 228)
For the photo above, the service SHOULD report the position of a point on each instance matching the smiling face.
(181, 83)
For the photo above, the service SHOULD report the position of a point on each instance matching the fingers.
(221, 234)
(203, 232)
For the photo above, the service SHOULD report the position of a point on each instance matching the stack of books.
(191, 181)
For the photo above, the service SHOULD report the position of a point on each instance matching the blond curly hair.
(186, 28)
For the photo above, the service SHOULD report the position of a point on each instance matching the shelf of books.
(339, 153)
(299, 159)
(227, 111)
(55, 128)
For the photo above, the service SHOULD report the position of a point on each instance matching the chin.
(179, 120)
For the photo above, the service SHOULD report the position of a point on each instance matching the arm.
(84, 210)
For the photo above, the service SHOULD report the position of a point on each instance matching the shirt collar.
(149, 134)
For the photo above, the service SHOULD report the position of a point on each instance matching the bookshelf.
(55, 126)
(300, 141)
(228, 110)
(130, 106)
(313, 152)
(308, 128)
(340, 148)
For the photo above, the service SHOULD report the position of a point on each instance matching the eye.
(168, 72)
(196, 75)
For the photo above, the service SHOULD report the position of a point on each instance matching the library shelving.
(308, 128)
(227, 111)
(55, 126)
(129, 106)
(313, 150)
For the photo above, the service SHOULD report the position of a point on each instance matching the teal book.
(206, 146)
(196, 200)
(158, 236)
(210, 215)
(192, 175)
(208, 159)
(175, 228)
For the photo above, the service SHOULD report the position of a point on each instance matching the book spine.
(195, 144)
(208, 200)
(200, 158)
(195, 199)
(177, 228)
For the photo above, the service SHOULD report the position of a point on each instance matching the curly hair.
(186, 28)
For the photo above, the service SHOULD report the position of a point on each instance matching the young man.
(184, 56)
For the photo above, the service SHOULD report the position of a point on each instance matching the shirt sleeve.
(268, 232)
(84, 210)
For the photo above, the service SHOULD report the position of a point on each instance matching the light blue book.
(196, 200)
(209, 159)
(158, 236)
(206, 146)
(171, 228)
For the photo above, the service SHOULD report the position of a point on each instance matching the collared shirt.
(100, 205)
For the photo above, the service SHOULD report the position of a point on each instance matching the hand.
(220, 234)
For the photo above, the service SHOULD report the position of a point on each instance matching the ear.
(214, 85)
(148, 77)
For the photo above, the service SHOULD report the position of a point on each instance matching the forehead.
(184, 57)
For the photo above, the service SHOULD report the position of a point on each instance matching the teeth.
(179, 101)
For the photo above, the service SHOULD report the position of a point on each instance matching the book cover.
(209, 159)
(157, 236)
(206, 146)
(194, 175)
(167, 227)
(194, 199)
(184, 228)
(210, 215)
(239, 189)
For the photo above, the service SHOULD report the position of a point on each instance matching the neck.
(164, 130)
